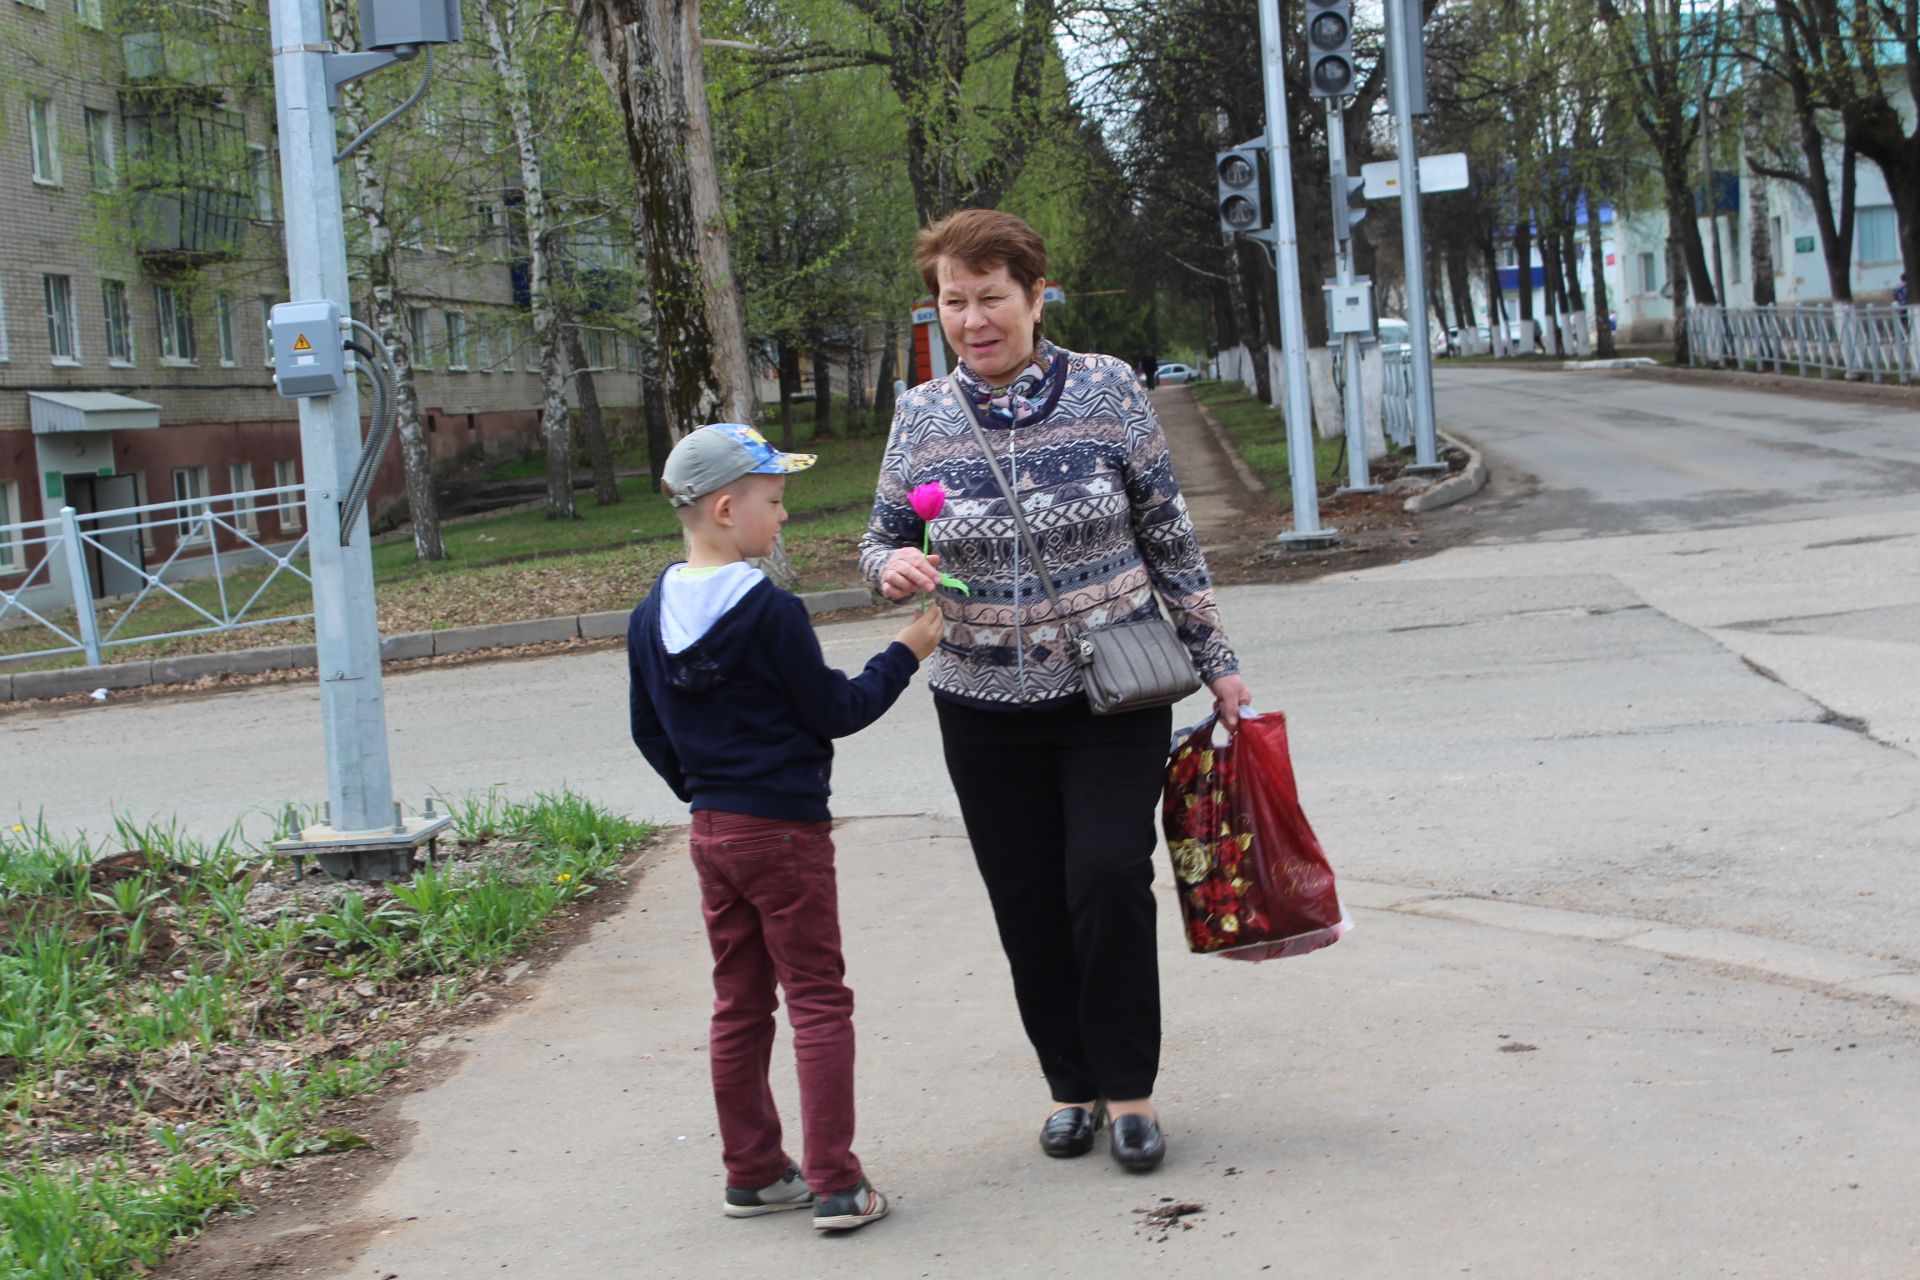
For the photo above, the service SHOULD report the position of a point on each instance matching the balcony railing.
(189, 227)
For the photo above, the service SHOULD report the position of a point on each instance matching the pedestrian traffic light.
(1345, 215)
(1241, 175)
(1330, 48)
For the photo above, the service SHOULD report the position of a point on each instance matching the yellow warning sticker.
(300, 343)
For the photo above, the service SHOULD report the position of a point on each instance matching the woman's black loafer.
(1137, 1143)
(1069, 1132)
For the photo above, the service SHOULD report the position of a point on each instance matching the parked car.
(1170, 373)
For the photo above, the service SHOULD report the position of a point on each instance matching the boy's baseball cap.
(714, 456)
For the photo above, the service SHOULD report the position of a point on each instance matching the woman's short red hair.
(983, 239)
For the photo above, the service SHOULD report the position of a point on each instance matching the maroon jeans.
(768, 894)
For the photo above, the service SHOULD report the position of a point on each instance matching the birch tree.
(507, 25)
(389, 312)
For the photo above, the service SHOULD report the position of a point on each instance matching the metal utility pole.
(1400, 92)
(364, 833)
(353, 713)
(1293, 325)
(1359, 476)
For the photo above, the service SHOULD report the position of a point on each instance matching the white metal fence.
(1828, 339)
(1396, 398)
(104, 553)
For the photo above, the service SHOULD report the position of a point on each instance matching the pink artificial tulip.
(927, 500)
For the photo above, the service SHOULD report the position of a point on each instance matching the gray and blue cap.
(714, 456)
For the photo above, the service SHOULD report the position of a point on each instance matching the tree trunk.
(883, 381)
(632, 44)
(789, 387)
(1253, 332)
(1461, 284)
(1570, 265)
(822, 388)
(506, 29)
(1597, 263)
(856, 378)
(654, 413)
(593, 430)
(1523, 262)
(1677, 219)
(1496, 296)
(1555, 289)
(1709, 191)
(1685, 225)
(389, 316)
(726, 307)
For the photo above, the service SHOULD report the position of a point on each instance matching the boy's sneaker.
(845, 1210)
(788, 1193)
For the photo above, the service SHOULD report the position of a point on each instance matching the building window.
(189, 486)
(485, 222)
(456, 340)
(41, 5)
(5, 354)
(63, 333)
(240, 484)
(103, 152)
(1876, 236)
(286, 475)
(260, 160)
(223, 322)
(1649, 274)
(529, 355)
(119, 321)
(417, 337)
(88, 11)
(483, 345)
(266, 329)
(10, 550)
(176, 326)
(43, 139)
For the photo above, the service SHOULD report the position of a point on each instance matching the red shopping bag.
(1253, 882)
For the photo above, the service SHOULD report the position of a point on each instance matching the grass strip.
(1259, 432)
(173, 1017)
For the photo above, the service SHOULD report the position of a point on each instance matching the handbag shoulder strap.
(1013, 502)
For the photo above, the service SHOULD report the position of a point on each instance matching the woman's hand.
(1230, 693)
(908, 571)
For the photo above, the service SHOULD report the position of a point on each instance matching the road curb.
(24, 686)
(1455, 488)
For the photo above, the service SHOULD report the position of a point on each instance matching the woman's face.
(988, 318)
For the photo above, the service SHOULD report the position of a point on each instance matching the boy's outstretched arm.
(827, 701)
(651, 736)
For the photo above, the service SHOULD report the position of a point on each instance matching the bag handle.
(1006, 490)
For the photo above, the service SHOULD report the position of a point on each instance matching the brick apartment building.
(122, 384)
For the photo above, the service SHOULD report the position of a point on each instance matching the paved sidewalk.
(1427, 1098)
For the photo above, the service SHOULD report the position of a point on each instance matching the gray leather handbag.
(1128, 666)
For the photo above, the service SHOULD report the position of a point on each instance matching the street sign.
(1803, 244)
(1437, 173)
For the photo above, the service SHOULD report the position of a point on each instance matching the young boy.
(734, 704)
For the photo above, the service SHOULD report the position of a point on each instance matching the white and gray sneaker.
(845, 1210)
(788, 1193)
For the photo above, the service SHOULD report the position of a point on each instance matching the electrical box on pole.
(308, 357)
(1330, 72)
(1242, 178)
(399, 25)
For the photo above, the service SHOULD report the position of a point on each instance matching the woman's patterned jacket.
(1097, 487)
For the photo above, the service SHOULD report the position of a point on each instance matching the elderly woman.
(1058, 803)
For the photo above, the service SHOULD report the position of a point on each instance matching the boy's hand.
(922, 635)
(908, 571)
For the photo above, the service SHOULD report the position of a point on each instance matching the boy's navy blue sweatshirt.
(743, 721)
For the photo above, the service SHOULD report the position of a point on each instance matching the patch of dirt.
(1162, 1219)
(301, 1217)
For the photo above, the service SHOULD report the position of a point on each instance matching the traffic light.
(1345, 215)
(1241, 175)
(1330, 48)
